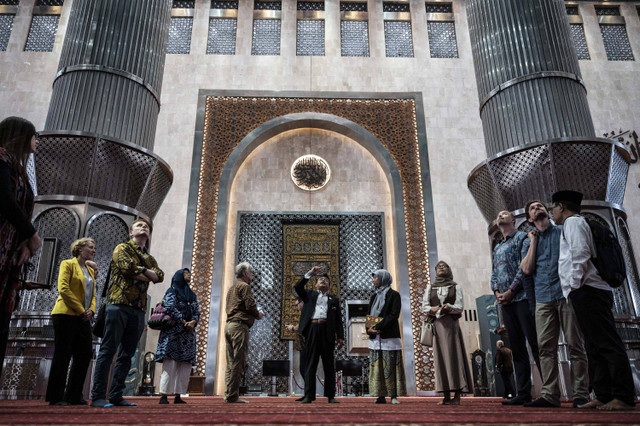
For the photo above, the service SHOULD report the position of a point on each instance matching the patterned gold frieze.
(392, 121)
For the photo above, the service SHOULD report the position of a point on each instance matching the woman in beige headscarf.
(443, 304)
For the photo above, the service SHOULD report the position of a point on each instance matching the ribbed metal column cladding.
(111, 68)
(527, 72)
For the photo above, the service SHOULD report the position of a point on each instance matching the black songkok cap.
(572, 199)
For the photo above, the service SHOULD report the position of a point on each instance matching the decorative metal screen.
(222, 36)
(180, 35)
(616, 42)
(398, 40)
(310, 5)
(579, 41)
(233, 4)
(108, 230)
(584, 166)
(354, 38)
(184, 4)
(439, 7)
(266, 37)
(31, 173)
(633, 280)
(260, 242)
(42, 33)
(346, 6)
(310, 38)
(442, 39)
(64, 225)
(6, 24)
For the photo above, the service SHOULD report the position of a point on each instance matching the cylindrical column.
(527, 72)
(111, 68)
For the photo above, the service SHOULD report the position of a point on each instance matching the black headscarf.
(181, 287)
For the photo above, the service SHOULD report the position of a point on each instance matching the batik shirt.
(128, 260)
(506, 273)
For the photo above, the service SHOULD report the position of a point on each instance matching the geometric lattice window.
(354, 38)
(6, 24)
(579, 41)
(442, 39)
(266, 37)
(180, 35)
(398, 40)
(616, 42)
(310, 38)
(346, 6)
(222, 36)
(42, 33)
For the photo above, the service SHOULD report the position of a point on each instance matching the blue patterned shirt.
(546, 280)
(506, 273)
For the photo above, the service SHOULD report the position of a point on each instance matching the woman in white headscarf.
(386, 369)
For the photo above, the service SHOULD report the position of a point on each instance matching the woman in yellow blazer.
(71, 317)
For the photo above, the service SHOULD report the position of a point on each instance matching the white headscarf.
(384, 277)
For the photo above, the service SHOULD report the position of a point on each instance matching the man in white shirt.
(592, 300)
(320, 324)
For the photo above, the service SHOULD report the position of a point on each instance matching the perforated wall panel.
(260, 242)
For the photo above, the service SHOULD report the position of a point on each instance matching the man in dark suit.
(320, 324)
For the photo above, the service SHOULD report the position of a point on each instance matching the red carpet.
(212, 410)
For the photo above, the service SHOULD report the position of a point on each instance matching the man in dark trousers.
(504, 367)
(320, 324)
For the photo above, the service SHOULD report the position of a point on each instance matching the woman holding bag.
(177, 345)
(71, 317)
(386, 370)
(443, 302)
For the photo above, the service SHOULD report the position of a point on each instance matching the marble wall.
(449, 95)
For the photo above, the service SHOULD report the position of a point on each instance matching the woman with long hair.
(71, 317)
(18, 238)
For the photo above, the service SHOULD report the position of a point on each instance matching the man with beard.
(507, 283)
(553, 311)
(592, 300)
(132, 269)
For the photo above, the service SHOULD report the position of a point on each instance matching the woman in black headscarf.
(177, 345)
(386, 370)
(443, 304)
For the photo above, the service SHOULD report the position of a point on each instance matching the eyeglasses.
(441, 266)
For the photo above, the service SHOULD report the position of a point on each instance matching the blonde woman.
(71, 317)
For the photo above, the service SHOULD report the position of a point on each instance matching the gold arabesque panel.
(306, 246)
(392, 121)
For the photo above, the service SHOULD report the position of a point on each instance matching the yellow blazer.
(71, 288)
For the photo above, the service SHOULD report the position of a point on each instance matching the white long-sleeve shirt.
(576, 250)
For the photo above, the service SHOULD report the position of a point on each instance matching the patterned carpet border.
(272, 410)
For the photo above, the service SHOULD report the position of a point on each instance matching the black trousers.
(521, 325)
(319, 345)
(507, 381)
(72, 339)
(612, 377)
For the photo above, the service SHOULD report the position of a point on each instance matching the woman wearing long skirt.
(386, 369)
(443, 303)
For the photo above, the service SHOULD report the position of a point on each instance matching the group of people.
(131, 270)
(546, 282)
(319, 329)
